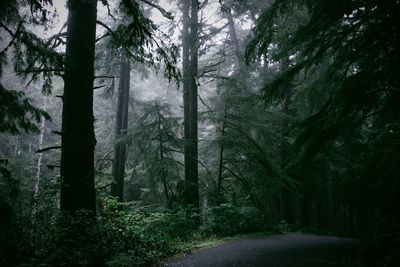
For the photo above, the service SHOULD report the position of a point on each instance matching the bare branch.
(100, 86)
(202, 101)
(165, 13)
(56, 132)
(210, 68)
(103, 36)
(105, 26)
(105, 3)
(52, 167)
(105, 76)
(48, 148)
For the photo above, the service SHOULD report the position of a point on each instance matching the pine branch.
(13, 35)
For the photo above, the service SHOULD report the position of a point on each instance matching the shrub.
(122, 236)
(225, 220)
(282, 227)
(140, 238)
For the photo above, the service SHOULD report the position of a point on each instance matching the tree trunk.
(190, 66)
(121, 125)
(78, 138)
(238, 54)
(36, 183)
(221, 155)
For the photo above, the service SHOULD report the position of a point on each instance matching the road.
(274, 251)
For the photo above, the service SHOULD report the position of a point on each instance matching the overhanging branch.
(165, 13)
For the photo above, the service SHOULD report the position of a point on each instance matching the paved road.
(274, 251)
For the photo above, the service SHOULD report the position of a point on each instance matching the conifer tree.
(190, 69)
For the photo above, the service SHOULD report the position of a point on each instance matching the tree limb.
(100, 86)
(105, 26)
(56, 132)
(165, 13)
(202, 101)
(48, 148)
(105, 76)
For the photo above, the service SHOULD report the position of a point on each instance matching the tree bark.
(78, 137)
(121, 126)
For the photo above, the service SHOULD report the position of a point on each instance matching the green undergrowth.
(124, 235)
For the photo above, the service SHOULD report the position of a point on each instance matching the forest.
(134, 130)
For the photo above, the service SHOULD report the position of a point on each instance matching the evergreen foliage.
(346, 45)
(344, 57)
(155, 146)
(305, 137)
(17, 114)
(31, 56)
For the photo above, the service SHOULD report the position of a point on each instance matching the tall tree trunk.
(78, 137)
(36, 183)
(238, 53)
(190, 68)
(121, 126)
(221, 155)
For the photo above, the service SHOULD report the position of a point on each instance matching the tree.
(338, 45)
(17, 114)
(155, 147)
(78, 139)
(339, 62)
(242, 76)
(132, 38)
(190, 68)
(121, 126)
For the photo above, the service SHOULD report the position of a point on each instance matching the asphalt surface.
(278, 250)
